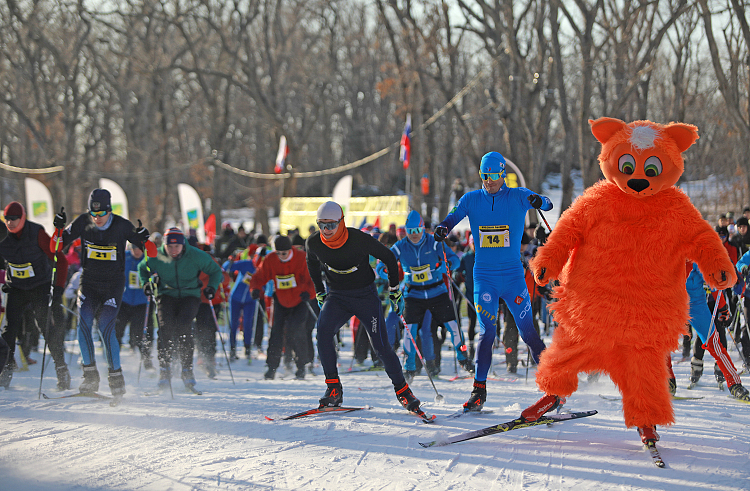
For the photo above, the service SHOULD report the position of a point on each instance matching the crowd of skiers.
(406, 286)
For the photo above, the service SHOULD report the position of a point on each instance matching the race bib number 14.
(494, 236)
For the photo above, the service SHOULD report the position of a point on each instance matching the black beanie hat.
(261, 239)
(282, 243)
(100, 200)
(174, 236)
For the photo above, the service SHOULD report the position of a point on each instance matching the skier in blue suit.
(497, 216)
(422, 260)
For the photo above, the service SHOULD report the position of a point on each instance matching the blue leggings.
(247, 309)
(102, 304)
(489, 287)
(364, 304)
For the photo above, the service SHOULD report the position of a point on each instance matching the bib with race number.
(494, 236)
(19, 271)
(286, 282)
(101, 253)
(421, 274)
(134, 280)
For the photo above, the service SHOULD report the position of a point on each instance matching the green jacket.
(180, 277)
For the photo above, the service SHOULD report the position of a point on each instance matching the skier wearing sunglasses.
(497, 215)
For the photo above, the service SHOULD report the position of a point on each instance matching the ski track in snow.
(221, 440)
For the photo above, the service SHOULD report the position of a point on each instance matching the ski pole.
(58, 232)
(438, 396)
(216, 323)
(145, 333)
(455, 311)
(545, 220)
(156, 313)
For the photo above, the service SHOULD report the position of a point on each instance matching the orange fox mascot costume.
(619, 253)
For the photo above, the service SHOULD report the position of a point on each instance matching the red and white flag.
(281, 156)
(406, 143)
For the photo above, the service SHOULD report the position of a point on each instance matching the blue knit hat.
(493, 163)
(414, 220)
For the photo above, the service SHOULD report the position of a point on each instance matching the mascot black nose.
(638, 184)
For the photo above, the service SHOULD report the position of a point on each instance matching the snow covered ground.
(221, 440)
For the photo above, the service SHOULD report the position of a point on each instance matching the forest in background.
(148, 93)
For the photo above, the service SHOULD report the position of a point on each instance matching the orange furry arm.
(568, 233)
(709, 253)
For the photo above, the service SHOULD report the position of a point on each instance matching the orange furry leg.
(561, 363)
(641, 375)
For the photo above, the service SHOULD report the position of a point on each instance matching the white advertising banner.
(39, 204)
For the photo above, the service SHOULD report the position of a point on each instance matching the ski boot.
(409, 375)
(478, 397)
(648, 434)
(233, 354)
(90, 379)
(739, 392)
(270, 374)
(467, 365)
(696, 370)
(512, 368)
(188, 378)
(165, 378)
(432, 368)
(406, 397)
(334, 395)
(719, 376)
(542, 406)
(63, 377)
(7, 374)
(209, 365)
(116, 382)
(300, 373)
(672, 386)
(247, 352)
(148, 364)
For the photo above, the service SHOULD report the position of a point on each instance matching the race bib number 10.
(494, 236)
(421, 274)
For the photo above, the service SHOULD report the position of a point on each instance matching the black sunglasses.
(9, 218)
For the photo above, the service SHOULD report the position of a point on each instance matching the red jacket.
(290, 278)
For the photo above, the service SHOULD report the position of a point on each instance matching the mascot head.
(642, 157)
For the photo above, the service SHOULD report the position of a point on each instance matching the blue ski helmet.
(414, 220)
(493, 163)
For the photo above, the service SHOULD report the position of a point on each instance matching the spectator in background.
(742, 239)
(222, 243)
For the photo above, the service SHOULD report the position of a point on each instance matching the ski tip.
(269, 419)
(45, 395)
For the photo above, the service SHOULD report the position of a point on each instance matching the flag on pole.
(210, 228)
(281, 156)
(406, 143)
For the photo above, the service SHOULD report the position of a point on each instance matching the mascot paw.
(721, 279)
(541, 277)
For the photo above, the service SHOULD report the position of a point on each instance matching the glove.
(60, 219)
(262, 252)
(255, 294)
(5, 288)
(149, 289)
(723, 314)
(743, 271)
(305, 296)
(535, 200)
(141, 233)
(397, 300)
(209, 292)
(321, 297)
(441, 233)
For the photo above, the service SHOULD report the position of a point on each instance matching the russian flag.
(406, 143)
(281, 156)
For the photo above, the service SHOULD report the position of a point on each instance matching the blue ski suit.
(497, 224)
(240, 302)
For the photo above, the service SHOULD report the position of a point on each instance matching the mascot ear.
(605, 128)
(683, 134)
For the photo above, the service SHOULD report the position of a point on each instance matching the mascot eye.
(652, 167)
(626, 163)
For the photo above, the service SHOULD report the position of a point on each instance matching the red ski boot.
(542, 406)
(648, 434)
